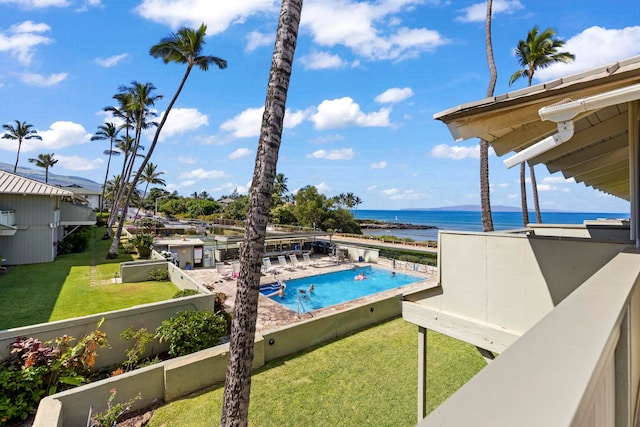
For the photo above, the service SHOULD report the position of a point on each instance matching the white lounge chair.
(223, 272)
(284, 264)
(266, 263)
(294, 261)
(307, 260)
(235, 267)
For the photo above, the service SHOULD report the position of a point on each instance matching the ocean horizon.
(467, 220)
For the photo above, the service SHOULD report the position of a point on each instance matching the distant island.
(475, 208)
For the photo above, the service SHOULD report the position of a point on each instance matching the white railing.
(578, 366)
(8, 218)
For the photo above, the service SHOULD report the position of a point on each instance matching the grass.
(71, 286)
(368, 378)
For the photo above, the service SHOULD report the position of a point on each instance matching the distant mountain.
(476, 208)
(61, 180)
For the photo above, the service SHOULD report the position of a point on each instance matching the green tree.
(20, 132)
(151, 175)
(109, 132)
(237, 209)
(183, 47)
(45, 161)
(311, 207)
(237, 389)
(539, 50)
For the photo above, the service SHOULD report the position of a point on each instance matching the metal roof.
(16, 184)
(598, 152)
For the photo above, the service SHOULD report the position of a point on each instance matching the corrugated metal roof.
(16, 184)
(598, 152)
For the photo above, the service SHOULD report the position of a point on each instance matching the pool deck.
(272, 315)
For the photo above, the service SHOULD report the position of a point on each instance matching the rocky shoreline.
(381, 225)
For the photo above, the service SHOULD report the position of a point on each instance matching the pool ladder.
(301, 304)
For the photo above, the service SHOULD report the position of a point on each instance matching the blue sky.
(368, 77)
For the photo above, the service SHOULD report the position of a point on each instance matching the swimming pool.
(335, 288)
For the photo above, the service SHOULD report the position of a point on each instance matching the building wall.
(35, 240)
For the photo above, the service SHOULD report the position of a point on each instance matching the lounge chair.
(284, 264)
(307, 260)
(294, 261)
(235, 267)
(266, 264)
(223, 272)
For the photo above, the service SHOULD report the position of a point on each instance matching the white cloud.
(369, 29)
(394, 95)
(240, 153)
(455, 152)
(256, 39)
(390, 191)
(477, 12)
(593, 47)
(111, 61)
(247, 124)
(372, 187)
(38, 4)
(200, 173)
(341, 154)
(395, 194)
(176, 13)
(21, 40)
(180, 120)
(187, 160)
(59, 135)
(379, 165)
(42, 81)
(323, 188)
(322, 61)
(558, 180)
(342, 112)
(77, 163)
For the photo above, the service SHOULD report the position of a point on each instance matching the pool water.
(335, 288)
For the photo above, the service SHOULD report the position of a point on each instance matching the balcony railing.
(75, 214)
(8, 217)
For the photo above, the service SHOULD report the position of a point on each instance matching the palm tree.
(20, 132)
(45, 161)
(485, 192)
(150, 176)
(235, 406)
(183, 47)
(107, 131)
(538, 51)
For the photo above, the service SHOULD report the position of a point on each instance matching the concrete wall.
(138, 271)
(355, 252)
(148, 316)
(176, 378)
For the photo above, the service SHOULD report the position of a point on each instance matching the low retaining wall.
(176, 378)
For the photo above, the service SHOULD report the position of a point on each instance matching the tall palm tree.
(183, 47)
(538, 51)
(151, 175)
(235, 406)
(485, 192)
(20, 132)
(107, 131)
(45, 161)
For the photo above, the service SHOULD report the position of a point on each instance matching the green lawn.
(70, 287)
(366, 379)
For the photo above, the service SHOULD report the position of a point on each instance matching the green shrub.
(192, 330)
(185, 293)
(141, 338)
(76, 242)
(159, 274)
(143, 243)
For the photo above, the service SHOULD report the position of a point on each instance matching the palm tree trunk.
(485, 191)
(144, 195)
(523, 196)
(15, 167)
(106, 177)
(235, 406)
(534, 186)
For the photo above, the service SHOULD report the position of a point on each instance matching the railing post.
(422, 373)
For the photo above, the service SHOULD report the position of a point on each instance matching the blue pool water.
(334, 288)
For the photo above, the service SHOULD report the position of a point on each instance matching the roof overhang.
(601, 105)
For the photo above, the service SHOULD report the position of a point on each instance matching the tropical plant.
(140, 338)
(143, 242)
(109, 417)
(45, 161)
(192, 330)
(107, 131)
(485, 192)
(538, 51)
(159, 274)
(20, 132)
(151, 175)
(235, 406)
(183, 47)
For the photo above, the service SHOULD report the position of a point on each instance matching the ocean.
(467, 221)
